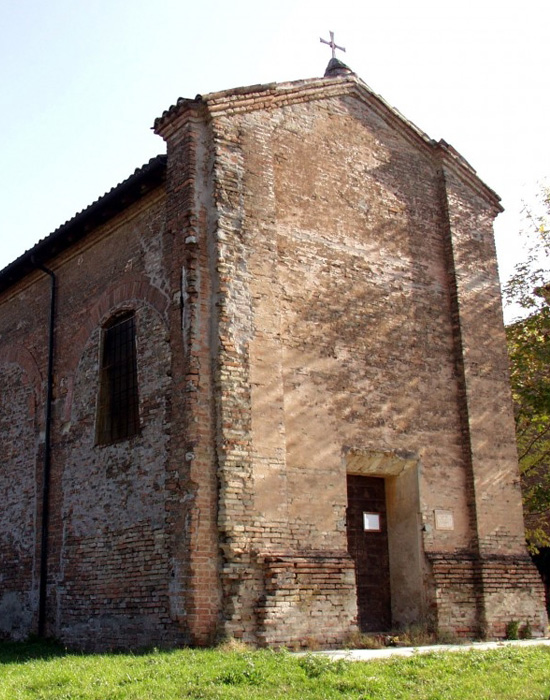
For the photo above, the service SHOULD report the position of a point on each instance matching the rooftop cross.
(332, 44)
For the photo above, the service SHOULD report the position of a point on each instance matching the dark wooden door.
(369, 548)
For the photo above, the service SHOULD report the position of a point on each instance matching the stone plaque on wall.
(444, 520)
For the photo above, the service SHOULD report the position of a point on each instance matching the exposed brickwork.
(315, 294)
(191, 220)
(510, 584)
(18, 494)
(316, 590)
(114, 551)
(476, 598)
(112, 547)
(483, 375)
(341, 249)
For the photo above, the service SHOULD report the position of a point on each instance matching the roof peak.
(336, 67)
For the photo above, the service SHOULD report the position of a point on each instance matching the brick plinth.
(513, 591)
(477, 596)
(309, 598)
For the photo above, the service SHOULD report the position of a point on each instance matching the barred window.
(118, 408)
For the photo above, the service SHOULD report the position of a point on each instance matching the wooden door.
(368, 546)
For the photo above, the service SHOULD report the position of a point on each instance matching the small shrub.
(244, 672)
(312, 643)
(526, 632)
(360, 640)
(232, 644)
(316, 665)
(415, 635)
(512, 629)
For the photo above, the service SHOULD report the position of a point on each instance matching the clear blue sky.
(82, 83)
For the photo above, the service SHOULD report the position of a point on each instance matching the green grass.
(46, 672)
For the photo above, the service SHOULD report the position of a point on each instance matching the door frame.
(401, 472)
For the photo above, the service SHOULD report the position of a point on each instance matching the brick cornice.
(275, 95)
(453, 162)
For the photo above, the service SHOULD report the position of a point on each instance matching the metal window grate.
(118, 417)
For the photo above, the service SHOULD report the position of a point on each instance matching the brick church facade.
(260, 389)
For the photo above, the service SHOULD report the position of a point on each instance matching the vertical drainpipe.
(47, 462)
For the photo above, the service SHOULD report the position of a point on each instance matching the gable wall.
(341, 315)
(341, 259)
(368, 347)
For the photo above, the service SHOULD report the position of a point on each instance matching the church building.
(260, 390)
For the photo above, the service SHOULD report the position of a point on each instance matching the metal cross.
(332, 45)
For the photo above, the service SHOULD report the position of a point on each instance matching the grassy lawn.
(45, 672)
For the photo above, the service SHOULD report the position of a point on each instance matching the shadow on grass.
(19, 652)
(40, 649)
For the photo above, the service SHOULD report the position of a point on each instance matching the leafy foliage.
(529, 350)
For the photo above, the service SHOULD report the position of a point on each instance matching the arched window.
(118, 407)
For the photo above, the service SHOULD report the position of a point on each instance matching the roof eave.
(142, 181)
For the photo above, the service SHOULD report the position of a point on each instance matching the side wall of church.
(19, 446)
(112, 569)
(23, 370)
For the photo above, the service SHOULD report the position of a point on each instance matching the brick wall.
(19, 497)
(191, 222)
(113, 560)
(477, 598)
(357, 306)
(331, 229)
(314, 591)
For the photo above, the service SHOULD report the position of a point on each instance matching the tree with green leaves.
(528, 289)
